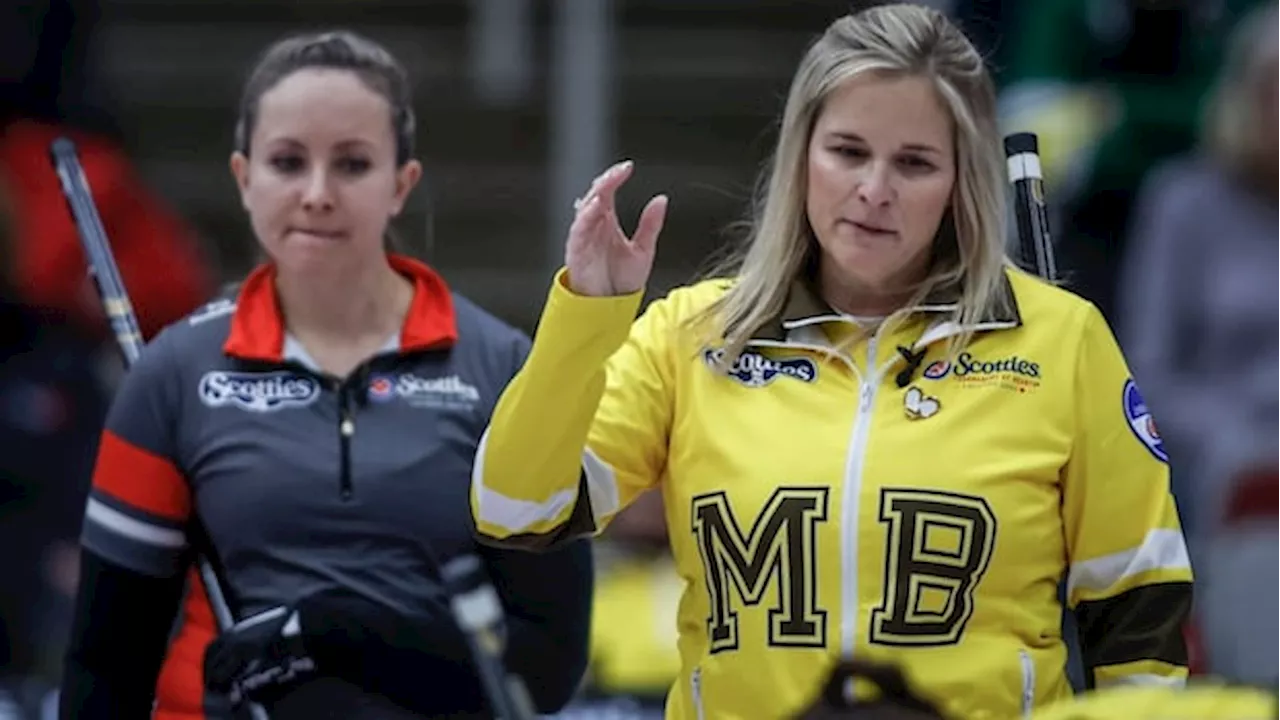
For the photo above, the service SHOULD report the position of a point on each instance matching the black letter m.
(781, 545)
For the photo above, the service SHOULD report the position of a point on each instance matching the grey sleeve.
(503, 354)
(139, 503)
(1159, 315)
(520, 347)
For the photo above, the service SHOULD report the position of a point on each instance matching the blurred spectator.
(49, 87)
(51, 405)
(53, 379)
(1199, 282)
(1113, 87)
(155, 249)
(1238, 600)
(1199, 321)
(53, 336)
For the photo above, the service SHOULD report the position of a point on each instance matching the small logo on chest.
(447, 391)
(919, 406)
(257, 392)
(970, 371)
(755, 370)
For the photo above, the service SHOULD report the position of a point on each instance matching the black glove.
(259, 658)
(386, 653)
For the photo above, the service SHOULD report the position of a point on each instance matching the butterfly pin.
(919, 406)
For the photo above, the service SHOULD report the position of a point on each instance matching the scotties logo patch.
(257, 392)
(754, 370)
(970, 371)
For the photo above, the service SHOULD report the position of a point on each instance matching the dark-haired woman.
(313, 441)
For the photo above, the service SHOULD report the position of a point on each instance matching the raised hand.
(601, 259)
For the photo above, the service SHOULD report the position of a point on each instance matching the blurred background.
(1158, 130)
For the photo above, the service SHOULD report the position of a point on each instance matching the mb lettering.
(755, 370)
(257, 392)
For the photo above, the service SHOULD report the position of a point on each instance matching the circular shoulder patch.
(1140, 420)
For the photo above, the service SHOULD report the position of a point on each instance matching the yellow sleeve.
(1129, 577)
(582, 428)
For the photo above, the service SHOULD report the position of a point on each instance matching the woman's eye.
(917, 164)
(851, 152)
(287, 163)
(353, 166)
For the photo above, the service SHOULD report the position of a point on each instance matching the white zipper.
(695, 687)
(854, 460)
(868, 383)
(1028, 682)
(852, 491)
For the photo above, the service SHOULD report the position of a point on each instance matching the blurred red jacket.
(158, 253)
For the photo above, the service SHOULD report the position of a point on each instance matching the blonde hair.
(1231, 133)
(899, 39)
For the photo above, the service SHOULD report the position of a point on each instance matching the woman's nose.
(318, 195)
(875, 186)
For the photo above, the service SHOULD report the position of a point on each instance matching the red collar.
(257, 327)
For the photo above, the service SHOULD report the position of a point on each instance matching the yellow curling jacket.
(819, 507)
(1203, 701)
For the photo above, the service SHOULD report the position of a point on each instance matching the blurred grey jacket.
(1198, 321)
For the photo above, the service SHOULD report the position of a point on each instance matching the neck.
(369, 301)
(854, 297)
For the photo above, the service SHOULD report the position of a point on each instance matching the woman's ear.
(240, 171)
(407, 178)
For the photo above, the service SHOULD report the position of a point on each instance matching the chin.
(865, 265)
(870, 269)
(309, 256)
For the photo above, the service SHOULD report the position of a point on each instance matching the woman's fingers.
(607, 186)
(652, 219)
(596, 183)
(599, 204)
(586, 218)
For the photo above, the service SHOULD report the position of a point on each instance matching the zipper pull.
(347, 423)
(346, 429)
(864, 403)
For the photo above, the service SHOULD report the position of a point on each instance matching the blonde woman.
(874, 438)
